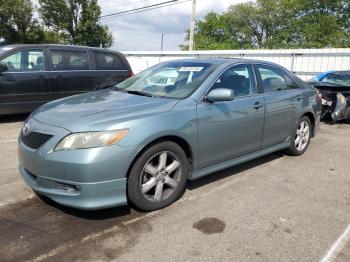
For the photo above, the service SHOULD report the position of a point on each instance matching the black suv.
(31, 75)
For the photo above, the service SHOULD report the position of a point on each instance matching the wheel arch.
(312, 118)
(185, 145)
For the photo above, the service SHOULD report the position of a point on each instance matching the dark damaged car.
(334, 87)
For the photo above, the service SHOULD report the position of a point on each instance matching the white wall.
(304, 62)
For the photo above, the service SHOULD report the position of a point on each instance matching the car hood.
(329, 86)
(329, 91)
(96, 110)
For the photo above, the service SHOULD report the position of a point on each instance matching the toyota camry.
(139, 141)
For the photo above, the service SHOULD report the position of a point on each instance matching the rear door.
(70, 72)
(26, 84)
(110, 69)
(283, 104)
(231, 129)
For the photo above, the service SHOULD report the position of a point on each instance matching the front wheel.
(301, 137)
(158, 177)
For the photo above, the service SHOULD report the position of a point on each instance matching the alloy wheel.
(302, 136)
(160, 176)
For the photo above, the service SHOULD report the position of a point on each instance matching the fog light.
(68, 188)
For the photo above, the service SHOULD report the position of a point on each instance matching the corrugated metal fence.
(304, 62)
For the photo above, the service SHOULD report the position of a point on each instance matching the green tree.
(212, 33)
(256, 25)
(277, 24)
(18, 26)
(319, 23)
(77, 21)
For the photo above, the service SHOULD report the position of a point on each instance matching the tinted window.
(69, 60)
(57, 60)
(108, 61)
(239, 79)
(25, 60)
(274, 80)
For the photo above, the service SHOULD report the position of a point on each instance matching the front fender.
(176, 123)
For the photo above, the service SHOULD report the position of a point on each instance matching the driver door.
(231, 129)
(25, 85)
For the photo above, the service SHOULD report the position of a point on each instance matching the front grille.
(35, 140)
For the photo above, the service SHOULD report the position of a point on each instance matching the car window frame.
(255, 82)
(273, 67)
(17, 50)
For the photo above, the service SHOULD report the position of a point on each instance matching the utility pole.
(193, 25)
(162, 43)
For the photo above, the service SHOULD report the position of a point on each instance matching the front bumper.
(84, 179)
(87, 196)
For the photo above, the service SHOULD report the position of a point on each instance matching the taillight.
(131, 73)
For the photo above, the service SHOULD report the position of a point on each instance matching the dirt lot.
(276, 208)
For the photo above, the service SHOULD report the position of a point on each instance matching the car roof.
(78, 47)
(340, 72)
(223, 60)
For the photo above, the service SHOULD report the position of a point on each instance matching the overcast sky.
(142, 31)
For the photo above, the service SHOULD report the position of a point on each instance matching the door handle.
(257, 105)
(299, 97)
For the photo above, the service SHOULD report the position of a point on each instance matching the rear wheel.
(158, 177)
(301, 137)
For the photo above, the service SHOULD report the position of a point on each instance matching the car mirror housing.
(3, 67)
(220, 94)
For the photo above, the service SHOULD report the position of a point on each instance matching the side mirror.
(3, 67)
(220, 94)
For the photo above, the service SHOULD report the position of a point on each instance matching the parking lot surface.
(276, 208)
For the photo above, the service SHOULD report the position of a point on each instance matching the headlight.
(91, 139)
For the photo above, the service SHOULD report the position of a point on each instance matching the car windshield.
(175, 80)
(338, 78)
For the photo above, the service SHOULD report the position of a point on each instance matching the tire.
(347, 115)
(301, 137)
(158, 177)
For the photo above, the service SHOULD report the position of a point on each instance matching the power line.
(145, 8)
(148, 9)
(129, 3)
(140, 8)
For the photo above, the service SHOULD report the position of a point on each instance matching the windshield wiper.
(140, 93)
(116, 88)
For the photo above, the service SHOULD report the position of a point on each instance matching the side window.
(274, 80)
(77, 60)
(25, 60)
(57, 60)
(66, 60)
(108, 61)
(239, 79)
